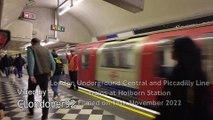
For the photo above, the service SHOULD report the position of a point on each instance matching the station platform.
(82, 104)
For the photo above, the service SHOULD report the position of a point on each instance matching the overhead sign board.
(29, 15)
(58, 28)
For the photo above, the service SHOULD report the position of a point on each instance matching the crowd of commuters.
(42, 65)
(10, 65)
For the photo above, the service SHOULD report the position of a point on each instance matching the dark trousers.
(7, 71)
(55, 80)
(73, 79)
(19, 69)
(42, 81)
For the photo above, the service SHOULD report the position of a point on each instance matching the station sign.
(58, 28)
(29, 15)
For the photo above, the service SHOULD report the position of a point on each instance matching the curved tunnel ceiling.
(102, 18)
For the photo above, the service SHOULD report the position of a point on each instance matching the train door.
(156, 65)
(85, 65)
(78, 52)
(207, 60)
(164, 63)
(207, 54)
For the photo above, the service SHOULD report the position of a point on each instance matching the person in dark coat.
(1, 65)
(5, 62)
(19, 63)
(57, 75)
(191, 104)
(11, 63)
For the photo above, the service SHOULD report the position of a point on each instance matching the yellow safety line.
(120, 105)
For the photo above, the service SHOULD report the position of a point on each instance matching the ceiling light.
(64, 7)
(76, 2)
(64, 10)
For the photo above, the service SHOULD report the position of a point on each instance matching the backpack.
(59, 66)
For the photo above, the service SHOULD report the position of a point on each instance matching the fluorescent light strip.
(64, 10)
(63, 4)
(77, 2)
(120, 101)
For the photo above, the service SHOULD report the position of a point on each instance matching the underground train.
(136, 67)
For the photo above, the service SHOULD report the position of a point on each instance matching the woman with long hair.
(187, 69)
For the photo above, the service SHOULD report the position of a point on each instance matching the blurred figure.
(2, 113)
(11, 61)
(5, 62)
(19, 63)
(15, 69)
(193, 106)
(73, 69)
(11, 69)
(40, 64)
(57, 74)
(1, 66)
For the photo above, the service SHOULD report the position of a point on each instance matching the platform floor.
(85, 106)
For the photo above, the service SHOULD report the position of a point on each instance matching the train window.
(85, 58)
(77, 51)
(118, 56)
(108, 59)
(164, 61)
(126, 58)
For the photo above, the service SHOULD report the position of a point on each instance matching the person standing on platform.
(40, 64)
(73, 69)
(5, 62)
(57, 75)
(19, 63)
(11, 61)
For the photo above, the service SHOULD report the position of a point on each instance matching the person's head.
(19, 54)
(54, 54)
(53, 50)
(35, 41)
(72, 52)
(186, 53)
(5, 55)
(183, 47)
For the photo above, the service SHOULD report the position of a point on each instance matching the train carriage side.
(87, 62)
(117, 67)
(157, 51)
(127, 65)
